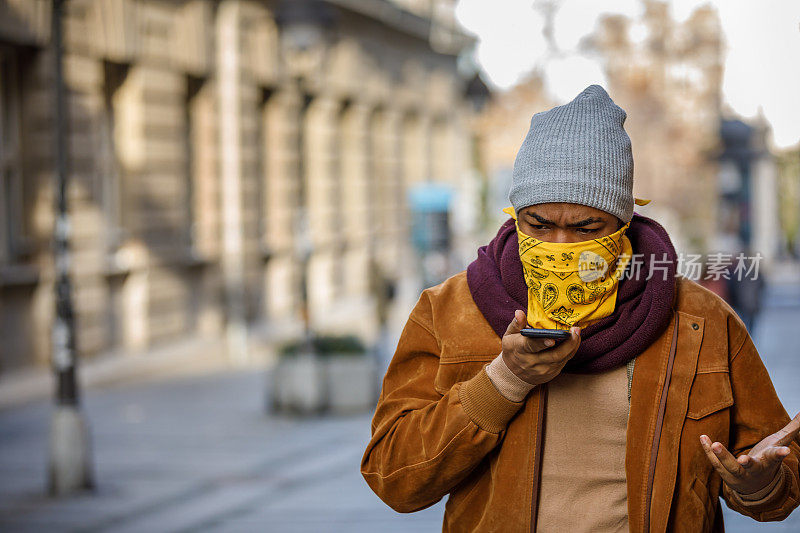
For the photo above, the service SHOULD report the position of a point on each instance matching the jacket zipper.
(659, 424)
(537, 450)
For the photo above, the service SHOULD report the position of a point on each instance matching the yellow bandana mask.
(575, 283)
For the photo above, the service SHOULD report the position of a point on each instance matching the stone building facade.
(197, 146)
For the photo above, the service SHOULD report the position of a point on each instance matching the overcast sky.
(762, 62)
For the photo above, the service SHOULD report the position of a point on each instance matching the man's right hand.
(536, 361)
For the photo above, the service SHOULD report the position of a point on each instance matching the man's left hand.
(752, 471)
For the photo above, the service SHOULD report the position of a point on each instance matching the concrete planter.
(351, 383)
(307, 384)
(298, 385)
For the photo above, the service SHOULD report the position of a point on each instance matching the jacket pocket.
(702, 506)
(462, 498)
(711, 392)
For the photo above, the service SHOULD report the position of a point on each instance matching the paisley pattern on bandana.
(572, 284)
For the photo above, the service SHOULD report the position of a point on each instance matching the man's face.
(563, 222)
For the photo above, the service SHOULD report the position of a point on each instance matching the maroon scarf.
(643, 308)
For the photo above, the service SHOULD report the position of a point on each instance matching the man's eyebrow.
(586, 222)
(541, 219)
(579, 224)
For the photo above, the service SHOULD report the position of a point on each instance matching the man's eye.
(539, 226)
(586, 231)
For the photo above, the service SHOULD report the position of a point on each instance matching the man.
(656, 405)
(745, 293)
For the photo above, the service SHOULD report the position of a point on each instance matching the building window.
(201, 178)
(192, 109)
(264, 152)
(110, 179)
(11, 197)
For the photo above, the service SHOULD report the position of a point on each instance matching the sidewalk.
(184, 357)
(198, 454)
(774, 337)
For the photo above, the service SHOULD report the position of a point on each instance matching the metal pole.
(301, 219)
(64, 334)
(70, 465)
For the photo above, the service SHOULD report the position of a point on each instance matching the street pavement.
(202, 453)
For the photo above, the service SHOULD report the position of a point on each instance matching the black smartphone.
(555, 334)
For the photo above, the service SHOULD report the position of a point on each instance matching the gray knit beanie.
(577, 153)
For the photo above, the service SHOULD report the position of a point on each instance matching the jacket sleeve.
(758, 413)
(424, 442)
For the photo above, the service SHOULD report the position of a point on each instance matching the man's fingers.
(537, 345)
(724, 473)
(746, 461)
(789, 432)
(571, 345)
(565, 349)
(775, 454)
(575, 331)
(517, 323)
(727, 459)
(544, 351)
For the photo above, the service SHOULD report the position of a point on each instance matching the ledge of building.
(398, 18)
(19, 275)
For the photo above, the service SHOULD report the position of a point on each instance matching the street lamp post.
(70, 467)
(305, 29)
(305, 25)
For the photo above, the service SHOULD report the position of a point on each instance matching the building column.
(282, 117)
(390, 234)
(229, 82)
(321, 199)
(766, 229)
(417, 149)
(355, 198)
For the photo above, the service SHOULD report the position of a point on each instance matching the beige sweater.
(585, 408)
(583, 487)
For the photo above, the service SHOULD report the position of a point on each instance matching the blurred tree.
(668, 77)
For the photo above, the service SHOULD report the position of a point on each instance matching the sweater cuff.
(764, 495)
(511, 386)
(485, 406)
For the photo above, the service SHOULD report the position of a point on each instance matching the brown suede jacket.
(441, 427)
